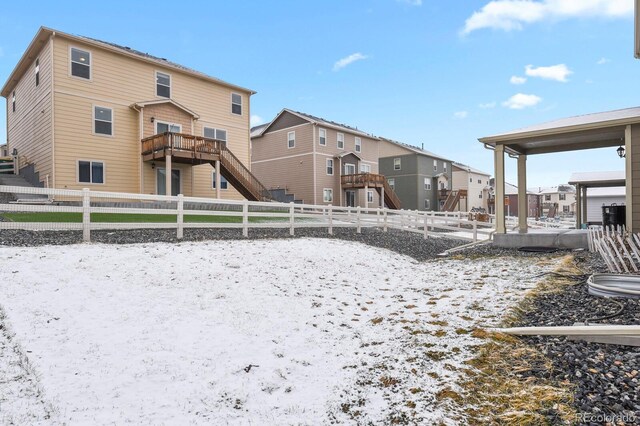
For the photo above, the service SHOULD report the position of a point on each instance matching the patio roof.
(599, 130)
(598, 179)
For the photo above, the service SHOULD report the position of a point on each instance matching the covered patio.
(615, 129)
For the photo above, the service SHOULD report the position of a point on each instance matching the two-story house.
(317, 161)
(421, 179)
(83, 113)
(475, 182)
(557, 201)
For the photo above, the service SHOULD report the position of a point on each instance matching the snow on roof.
(614, 191)
(329, 123)
(415, 149)
(470, 169)
(553, 189)
(578, 177)
(257, 130)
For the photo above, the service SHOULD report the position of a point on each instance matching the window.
(427, 184)
(213, 133)
(470, 180)
(349, 169)
(80, 63)
(563, 197)
(365, 168)
(163, 84)
(358, 144)
(90, 172)
(291, 139)
(480, 195)
(37, 71)
(330, 166)
(13, 101)
(397, 164)
(162, 127)
(340, 141)
(565, 209)
(323, 137)
(102, 121)
(236, 104)
(392, 183)
(547, 197)
(369, 196)
(444, 166)
(435, 165)
(327, 195)
(223, 182)
(427, 204)
(479, 180)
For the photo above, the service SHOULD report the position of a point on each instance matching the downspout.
(141, 134)
(53, 115)
(315, 174)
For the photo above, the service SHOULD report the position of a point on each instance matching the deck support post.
(629, 174)
(167, 176)
(523, 199)
(499, 189)
(245, 218)
(366, 195)
(382, 197)
(218, 179)
(578, 206)
(584, 204)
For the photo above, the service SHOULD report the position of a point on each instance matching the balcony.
(182, 147)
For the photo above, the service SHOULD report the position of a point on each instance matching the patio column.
(499, 190)
(628, 202)
(382, 197)
(366, 195)
(584, 205)
(578, 206)
(167, 175)
(523, 201)
(218, 179)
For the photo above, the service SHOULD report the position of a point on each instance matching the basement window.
(80, 63)
(37, 71)
(90, 171)
(103, 121)
(163, 84)
(224, 184)
(236, 104)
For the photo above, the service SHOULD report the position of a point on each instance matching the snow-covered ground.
(248, 332)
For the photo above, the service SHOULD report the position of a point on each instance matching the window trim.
(358, 144)
(168, 124)
(327, 166)
(213, 181)
(324, 192)
(93, 122)
(71, 47)
(241, 106)
(399, 161)
(338, 135)
(320, 130)
(170, 84)
(289, 146)
(104, 171)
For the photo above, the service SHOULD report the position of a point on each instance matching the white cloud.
(558, 72)
(461, 114)
(521, 101)
(603, 61)
(411, 2)
(348, 60)
(510, 15)
(488, 105)
(256, 120)
(517, 80)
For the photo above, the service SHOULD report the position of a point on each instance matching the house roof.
(598, 130)
(553, 189)
(615, 191)
(166, 101)
(470, 169)
(415, 149)
(344, 154)
(44, 33)
(257, 130)
(601, 179)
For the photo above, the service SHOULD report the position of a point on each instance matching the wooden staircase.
(372, 181)
(241, 178)
(453, 199)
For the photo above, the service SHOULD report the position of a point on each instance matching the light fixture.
(14, 152)
(153, 165)
(621, 152)
(153, 119)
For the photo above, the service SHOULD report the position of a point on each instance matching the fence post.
(291, 219)
(180, 216)
(384, 213)
(426, 228)
(358, 229)
(86, 215)
(245, 218)
(459, 219)
(330, 219)
(475, 231)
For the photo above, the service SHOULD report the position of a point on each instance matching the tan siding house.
(475, 182)
(96, 101)
(305, 156)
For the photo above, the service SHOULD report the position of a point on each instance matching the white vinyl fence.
(230, 214)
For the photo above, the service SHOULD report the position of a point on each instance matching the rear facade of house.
(78, 109)
(475, 182)
(307, 159)
(421, 179)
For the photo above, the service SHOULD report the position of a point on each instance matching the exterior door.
(349, 169)
(350, 198)
(162, 127)
(161, 182)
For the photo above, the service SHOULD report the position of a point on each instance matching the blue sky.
(438, 72)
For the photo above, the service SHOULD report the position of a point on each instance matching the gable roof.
(470, 169)
(415, 149)
(166, 101)
(560, 189)
(315, 120)
(257, 130)
(45, 33)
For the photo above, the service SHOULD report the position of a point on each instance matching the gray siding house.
(421, 179)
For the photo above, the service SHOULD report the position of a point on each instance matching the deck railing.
(371, 180)
(181, 142)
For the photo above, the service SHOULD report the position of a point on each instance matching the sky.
(441, 73)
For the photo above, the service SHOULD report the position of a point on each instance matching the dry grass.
(500, 387)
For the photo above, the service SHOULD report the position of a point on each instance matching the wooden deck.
(372, 181)
(182, 147)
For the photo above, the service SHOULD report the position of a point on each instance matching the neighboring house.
(557, 201)
(475, 182)
(317, 161)
(421, 179)
(79, 108)
(4, 151)
(598, 197)
(511, 200)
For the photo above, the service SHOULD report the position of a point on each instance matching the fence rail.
(248, 214)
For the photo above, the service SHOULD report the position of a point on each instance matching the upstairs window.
(213, 133)
(563, 197)
(340, 141)
(444, 166)
(427, 184)
(13, 101)
(397, 164)
(470, 180)
(103, 121)
(236, 104)
(291, 139)
(547, 197)
(162, 127)
(90, 172)
(330, 166)
(37, 71)
(80, 63)
(322, 137)
(365, 168)
(358, 145)
(163, 84)
(435, 165)
(480, 181)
